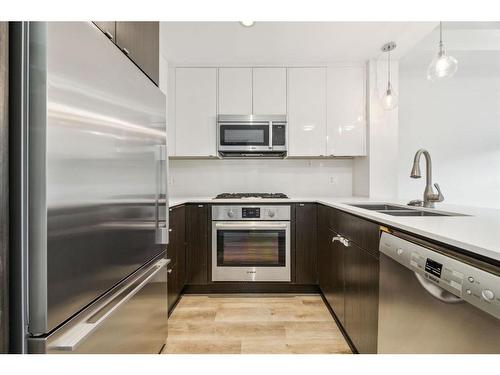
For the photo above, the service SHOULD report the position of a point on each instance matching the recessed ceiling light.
(247, 23)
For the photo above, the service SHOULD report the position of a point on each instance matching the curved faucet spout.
(429, 195)
(415, 171)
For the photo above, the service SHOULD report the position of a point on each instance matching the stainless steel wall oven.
(251, 243)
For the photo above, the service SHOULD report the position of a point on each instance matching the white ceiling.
(475, 44)
(213, 43)
(463, 36)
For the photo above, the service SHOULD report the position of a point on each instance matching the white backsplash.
(296, 178)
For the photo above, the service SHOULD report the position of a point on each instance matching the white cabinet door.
(346, 128)
(235, 91)
(307, 111)
(195, 111)
(170, 92)
(269, 91)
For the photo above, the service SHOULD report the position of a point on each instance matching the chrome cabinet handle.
(337, 238)
(109, 35)
(342, 240)
(125, 51)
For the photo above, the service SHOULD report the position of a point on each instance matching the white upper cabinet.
(195, 111)
(169, 83)
(346, 128)
(235, 91)
(269, 91)
(307, 111)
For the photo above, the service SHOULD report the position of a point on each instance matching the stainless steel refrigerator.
(89, 205)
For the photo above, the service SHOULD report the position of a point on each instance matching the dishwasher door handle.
(436, 291)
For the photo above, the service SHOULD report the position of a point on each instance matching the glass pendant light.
(389, 99)
(443, 65)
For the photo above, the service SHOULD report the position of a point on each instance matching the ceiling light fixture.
(443, 65)
(389, 99)
(247, 23)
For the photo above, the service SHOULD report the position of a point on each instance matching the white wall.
(458, 121)
(296, 178)
(375, 176)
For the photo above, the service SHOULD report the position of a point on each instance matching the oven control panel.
(252, 213)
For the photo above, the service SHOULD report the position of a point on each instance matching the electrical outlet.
(333, 180)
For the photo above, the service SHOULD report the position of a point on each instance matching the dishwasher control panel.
(469, 283)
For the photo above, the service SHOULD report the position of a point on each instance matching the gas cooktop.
(251, 196)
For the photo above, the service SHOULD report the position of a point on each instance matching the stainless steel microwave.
(252, 136)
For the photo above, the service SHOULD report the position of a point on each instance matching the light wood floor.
(253, 324)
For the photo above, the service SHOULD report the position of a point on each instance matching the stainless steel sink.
(395, 210)
(417, 213)
(380, 207)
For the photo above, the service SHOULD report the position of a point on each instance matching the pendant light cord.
(389, 70)
(440, 37)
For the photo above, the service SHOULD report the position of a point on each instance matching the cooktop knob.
(271, 213)
(230, 213)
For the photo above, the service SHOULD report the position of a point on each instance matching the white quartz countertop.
(478, 233)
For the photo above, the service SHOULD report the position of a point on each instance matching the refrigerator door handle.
(161, 229)
(81, 330)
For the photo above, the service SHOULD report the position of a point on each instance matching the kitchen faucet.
(429, 195)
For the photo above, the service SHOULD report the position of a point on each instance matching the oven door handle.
(253, 225)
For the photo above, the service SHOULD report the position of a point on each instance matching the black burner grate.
(251, 195)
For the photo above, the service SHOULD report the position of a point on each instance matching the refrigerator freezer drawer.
(131, 318)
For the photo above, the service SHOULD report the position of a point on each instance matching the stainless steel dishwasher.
(435, 301)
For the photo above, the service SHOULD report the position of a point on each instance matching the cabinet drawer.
(362, 232)
(327, 217)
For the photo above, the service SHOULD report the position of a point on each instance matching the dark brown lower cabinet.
(348, 276)
(337, 279)
(324, 253)
(361, 298)
(306, 243)
(197, 229)
(176, 252)
(330, 264)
